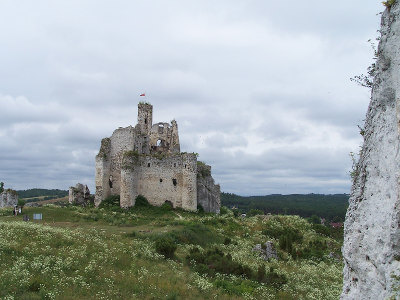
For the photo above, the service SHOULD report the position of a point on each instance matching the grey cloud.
(259, 88)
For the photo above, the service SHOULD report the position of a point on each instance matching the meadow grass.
(90, 253)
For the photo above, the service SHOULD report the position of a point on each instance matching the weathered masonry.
(8, 198)
(146, 160)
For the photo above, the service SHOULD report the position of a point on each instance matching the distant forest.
(330, 207)
(47, 194)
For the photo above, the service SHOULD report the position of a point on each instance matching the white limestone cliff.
(371, 249)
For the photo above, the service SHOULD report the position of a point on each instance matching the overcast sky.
(259, 88)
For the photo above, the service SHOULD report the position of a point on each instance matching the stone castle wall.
(108, 161)
(172, 178)
(164, 138)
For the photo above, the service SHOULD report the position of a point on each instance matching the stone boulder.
(8, 198)
(267, 250)
(80, 195)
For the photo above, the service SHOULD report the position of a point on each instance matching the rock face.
(8, 198)
(372, 228)
(208, 193)
(79, 195)
(267, 251)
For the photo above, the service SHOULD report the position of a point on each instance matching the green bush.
(315, 249)
(223, 210)
(141, 201)
(110, 201)
(275, 279)
(167, 205)
(166, 247)
(195, 234)
(389, 3)
(21, 202)
(34, 284)
(227, 241)
(322, 229)
(292, 233)
(237, 212)
(215, 261)
(314, 219)
(238, 287)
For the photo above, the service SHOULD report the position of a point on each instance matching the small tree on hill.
(21, 203)
(1, 187)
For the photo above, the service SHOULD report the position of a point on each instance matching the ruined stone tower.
(145, 117)
(146, 160)
(371, 248)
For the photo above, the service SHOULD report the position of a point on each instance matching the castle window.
(185, 166)
(158, 143)
(174, 165)
(174, 182)
(148, 165)
(160, 179)
(145, 120)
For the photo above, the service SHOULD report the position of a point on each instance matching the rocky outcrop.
(208, 193)
(8, 198)
(80, 195)
(371, 247)
(267, 250)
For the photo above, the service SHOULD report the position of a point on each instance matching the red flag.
(142, 95)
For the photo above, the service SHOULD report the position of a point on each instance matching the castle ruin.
(146, 160)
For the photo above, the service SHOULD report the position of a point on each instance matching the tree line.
(30, 193)
(331, 207)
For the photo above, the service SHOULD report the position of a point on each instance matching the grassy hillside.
(89, 253)
(327, 206)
